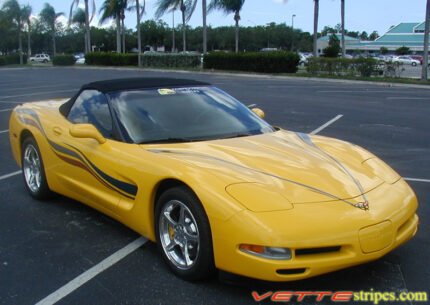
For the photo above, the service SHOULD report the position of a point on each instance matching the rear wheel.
(33, 171)
(183, 234)
(414, 64)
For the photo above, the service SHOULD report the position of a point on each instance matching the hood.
(303, 168)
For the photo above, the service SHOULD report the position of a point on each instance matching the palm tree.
(26, 11)
(88, 20)
(230, 6)
(316, 13)
(187, 8)
(205, 33)
(116, 9)
(78, 18)
(14, 13)
(109, 10)
(140, 10)
(342, 15)
(49, 16)
(426, 43)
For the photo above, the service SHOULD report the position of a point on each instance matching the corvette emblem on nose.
(363, 205)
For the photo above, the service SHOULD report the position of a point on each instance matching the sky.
(360, 15)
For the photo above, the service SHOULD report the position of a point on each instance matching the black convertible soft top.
(130, 84)
(140, 83)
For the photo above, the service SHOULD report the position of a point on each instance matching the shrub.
(383, 50)
(160, 60)
(12, 59)
(63, 60)
(267, 62)
(364, 67)
(402, 51)
(333, 48)
(110, 59)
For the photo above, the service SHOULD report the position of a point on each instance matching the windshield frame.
(172, 140)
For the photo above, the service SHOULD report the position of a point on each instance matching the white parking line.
(4, 131)
(355, 91)
(37, 87)
(92, 272)
(37, 93)
(417, 179)
(405, 98)
(10, 175)
(4, 110)
(326, 124)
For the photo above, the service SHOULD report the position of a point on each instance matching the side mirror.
(259, 112)
(86, 131)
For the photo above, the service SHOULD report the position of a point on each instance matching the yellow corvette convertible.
(214, 185)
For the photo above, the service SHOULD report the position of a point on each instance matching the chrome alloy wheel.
(179, 234)
(32, 168)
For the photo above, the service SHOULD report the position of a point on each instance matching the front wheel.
(414, 64)
(183, 234)
(33, 171)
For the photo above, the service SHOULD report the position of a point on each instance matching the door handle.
(57, 131)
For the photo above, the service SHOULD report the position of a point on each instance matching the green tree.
(230, 6)
(186, 7)
(403, 51)
(373, 36)
(49, 16)
(333, 48)
(383, 50)
(13, 12)
(364, 36)
(328, 30)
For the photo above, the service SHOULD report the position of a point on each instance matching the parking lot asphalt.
(45, 245)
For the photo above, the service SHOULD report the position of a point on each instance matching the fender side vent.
(308, 251)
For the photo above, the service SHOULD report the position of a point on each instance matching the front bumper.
(324, 237)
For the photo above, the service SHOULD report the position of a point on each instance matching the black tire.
(203, 266)
(414, 64)
(41, 192)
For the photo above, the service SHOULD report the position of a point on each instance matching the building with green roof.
(406, 34)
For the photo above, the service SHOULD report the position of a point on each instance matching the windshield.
(183, 114)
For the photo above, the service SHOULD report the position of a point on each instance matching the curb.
(232, 74)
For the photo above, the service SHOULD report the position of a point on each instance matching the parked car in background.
(80, 61)
(79, 55)
(40, 58)
(269, 50)
(417, 57)
(303, 59)
(406, 60)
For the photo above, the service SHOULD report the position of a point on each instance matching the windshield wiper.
(238, 135)
(167, 140)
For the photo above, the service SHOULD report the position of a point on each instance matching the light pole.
(292, 32)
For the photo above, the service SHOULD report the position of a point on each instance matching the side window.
(92, 107)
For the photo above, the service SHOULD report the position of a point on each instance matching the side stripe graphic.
(76, 158)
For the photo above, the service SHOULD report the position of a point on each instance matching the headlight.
(382, 170)
(266, 252)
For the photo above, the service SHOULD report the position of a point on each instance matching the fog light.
(266, 252)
